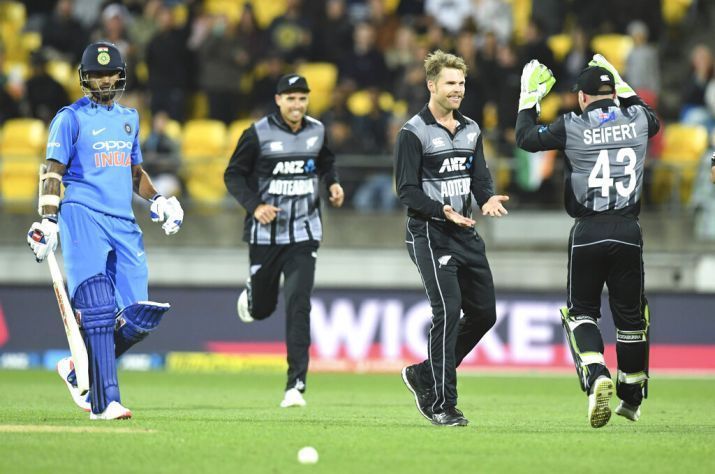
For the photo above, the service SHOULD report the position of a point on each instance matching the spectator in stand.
(291, 33)
(693, 108)
(475, 96)
(642, 65)
(161, 157)
(143, 27)
(63, 35)
(168, 60)
(223, 60)
(45, 96)
(509, 86)
(575, 60)
(494, 16)
(449, 14)
(410, 88)
(334, 35)
(264, 88)
(537, 48)
(10, 94)
(402, 51)
(364, 66)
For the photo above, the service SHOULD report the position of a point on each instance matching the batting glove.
(42, 237)
(622, 88)
(536, 81)
(169, 212)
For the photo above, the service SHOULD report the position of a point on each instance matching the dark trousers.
(608, 250)
(456, 276)
(297, 264)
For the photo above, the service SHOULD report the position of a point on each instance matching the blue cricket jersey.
(98, 145)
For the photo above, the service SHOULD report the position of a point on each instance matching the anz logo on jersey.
(294, 167)
(112, 153)
(456, 163)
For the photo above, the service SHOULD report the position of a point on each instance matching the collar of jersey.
(429, 119)
(603, 103)
(277, 118)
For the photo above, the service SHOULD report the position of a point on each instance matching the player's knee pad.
(586, 345)
(135, 322)
(95, 302)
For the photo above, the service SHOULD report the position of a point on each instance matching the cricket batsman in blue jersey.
(93, 149)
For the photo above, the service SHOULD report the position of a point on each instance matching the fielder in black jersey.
(605, 149)
(275, 173)
(439, 166)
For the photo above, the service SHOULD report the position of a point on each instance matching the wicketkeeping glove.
(168, 211)
(42, 237)
(536, 81)
(622, 88)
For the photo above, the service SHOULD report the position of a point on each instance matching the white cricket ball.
(307, 455)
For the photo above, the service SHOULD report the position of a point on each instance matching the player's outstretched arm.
(164, 210)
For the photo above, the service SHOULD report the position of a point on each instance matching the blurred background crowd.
(200, 72)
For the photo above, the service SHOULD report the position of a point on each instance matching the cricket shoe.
(244, 305)
(114, 411)
(65, 368)
(451, 416)
(422, 393)
(293, 398)
(626, 410)
(598, 410)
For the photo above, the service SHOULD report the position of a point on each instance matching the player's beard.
(104, 96)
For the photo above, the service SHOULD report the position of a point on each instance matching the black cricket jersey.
(605, 150)
(434, 168)
(274, 165)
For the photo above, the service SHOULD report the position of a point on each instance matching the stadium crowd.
(217, 59)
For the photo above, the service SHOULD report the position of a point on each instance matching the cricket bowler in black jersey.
(439, 167)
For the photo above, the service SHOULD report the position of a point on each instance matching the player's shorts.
(94, 242)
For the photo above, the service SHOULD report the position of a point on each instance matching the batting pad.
(136, 321)
(94, 300)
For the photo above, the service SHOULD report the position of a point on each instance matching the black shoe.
(451, 416)
(423, 394)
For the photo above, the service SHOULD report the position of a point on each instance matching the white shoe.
(114, 411)
(598, 410)
(64, 368)
(244, 313)
(628, 411)
(293, 398)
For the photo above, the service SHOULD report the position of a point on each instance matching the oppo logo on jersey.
(456, 163)
(112, 145)
(294, 167)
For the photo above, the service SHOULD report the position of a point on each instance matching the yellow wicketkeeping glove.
(536, 81)
(622, 88)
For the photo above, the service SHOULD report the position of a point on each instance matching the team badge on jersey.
(127, 128)
(103, 56)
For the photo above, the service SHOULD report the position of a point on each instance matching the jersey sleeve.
(62, 136)
(136, 148)
(482, 184)
(533, 137)
(651, 117)
(408, 163)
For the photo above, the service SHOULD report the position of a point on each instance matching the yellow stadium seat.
(22, 146)
(267, 10)
(321, 78)
(560, 45)
(360, 103)
(23, 138)
(62, 72)
(550, 108)
(614, 47)
(521, 13)
(13, 13)
(234, 133)
(203, 139)
(683, 148)
(231, 9)
(203, 146)
(673, 11)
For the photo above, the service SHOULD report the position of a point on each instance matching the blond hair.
(438, 60)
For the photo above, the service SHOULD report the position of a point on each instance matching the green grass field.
(358, 423)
